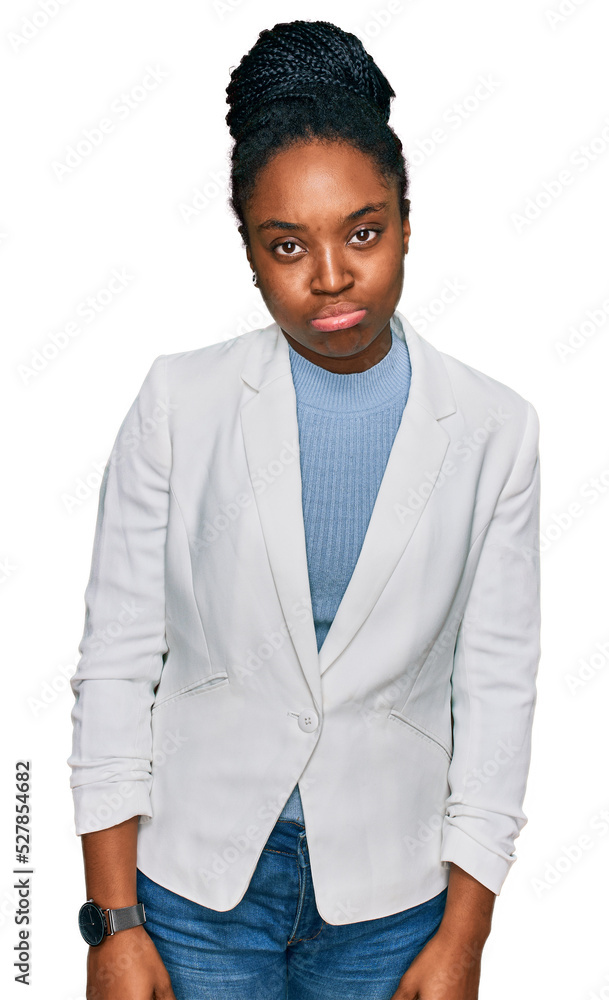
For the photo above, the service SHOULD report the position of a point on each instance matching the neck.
(359, 362)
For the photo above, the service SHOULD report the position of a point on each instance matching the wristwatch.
(95, 924)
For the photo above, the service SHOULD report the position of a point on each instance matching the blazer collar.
(268, 359)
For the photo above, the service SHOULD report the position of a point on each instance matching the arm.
(123, 644)
(494, 680)
(468, 912)
(493, 698)
(126, 964)
(110, 865)
(122, 655)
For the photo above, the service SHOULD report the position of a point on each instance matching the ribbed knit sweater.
(346, 426)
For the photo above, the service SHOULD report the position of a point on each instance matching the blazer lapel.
(270, 431)
(270, 436)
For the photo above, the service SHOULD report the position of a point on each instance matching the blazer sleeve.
(493, 684)
(123, 645)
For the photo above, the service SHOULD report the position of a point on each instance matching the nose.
(331, 273)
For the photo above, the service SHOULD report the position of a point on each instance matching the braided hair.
(306, 80)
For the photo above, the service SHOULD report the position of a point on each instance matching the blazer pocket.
(421, 732)
(211, 681)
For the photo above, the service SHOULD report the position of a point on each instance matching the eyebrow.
(297, 227)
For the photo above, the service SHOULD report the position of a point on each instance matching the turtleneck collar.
(357, 391)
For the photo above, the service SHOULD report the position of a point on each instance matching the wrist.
(113, 901)
(469, 933)
(96, 923)
(125, 938)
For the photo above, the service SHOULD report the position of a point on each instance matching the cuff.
(488, 867)
(98, 806)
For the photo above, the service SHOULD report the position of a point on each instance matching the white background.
(526, 285)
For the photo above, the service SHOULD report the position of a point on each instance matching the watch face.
(92, 923)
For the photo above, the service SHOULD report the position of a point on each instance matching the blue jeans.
(274, 945)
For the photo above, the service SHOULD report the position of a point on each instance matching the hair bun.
(297, 59)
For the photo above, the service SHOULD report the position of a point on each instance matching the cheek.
(384, 270)
(283, 294)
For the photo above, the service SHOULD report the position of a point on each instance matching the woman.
(314, 597)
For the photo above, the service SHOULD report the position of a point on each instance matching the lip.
(341, 316)
(338, 309)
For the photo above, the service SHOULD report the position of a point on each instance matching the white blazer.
(201, 698)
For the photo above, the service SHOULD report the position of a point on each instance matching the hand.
(447, 968)
(127, 966)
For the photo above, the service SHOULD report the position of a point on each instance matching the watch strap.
(126, 917)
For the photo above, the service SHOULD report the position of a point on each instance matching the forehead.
(319, 176)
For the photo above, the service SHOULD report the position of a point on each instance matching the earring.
(254, 277)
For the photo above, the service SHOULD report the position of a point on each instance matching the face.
(325, 229)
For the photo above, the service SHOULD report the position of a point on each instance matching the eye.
(366, 230)
(291, 248)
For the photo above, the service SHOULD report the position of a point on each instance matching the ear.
(248, 254)
(406, 233)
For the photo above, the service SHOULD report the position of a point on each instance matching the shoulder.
(472, 386)
(466, 377)
(483, 415)
(210, 363)
(501, 424)
(227, 352)
(477, 397)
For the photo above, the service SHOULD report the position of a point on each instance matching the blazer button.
(307, 720)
